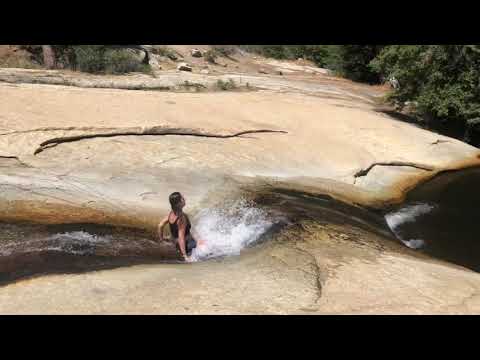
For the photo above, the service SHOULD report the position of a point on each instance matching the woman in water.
(179, 226)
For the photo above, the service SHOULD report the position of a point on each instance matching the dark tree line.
(351, 61)
(90, 58)
(443, 80)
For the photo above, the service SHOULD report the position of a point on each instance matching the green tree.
(321, 55)
(91, 58)
(354, 62)
(443, 80)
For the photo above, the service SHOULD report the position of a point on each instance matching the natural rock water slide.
(301, 205)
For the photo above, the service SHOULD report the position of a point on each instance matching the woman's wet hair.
(175, 201)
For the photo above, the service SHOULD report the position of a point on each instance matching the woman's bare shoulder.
(164, 219)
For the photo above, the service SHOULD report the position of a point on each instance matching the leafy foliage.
(224, 50)
(226, 85)
(327, 56)
(122, 61)
(90, 58)
(354, 62)
(101, 59)
(210, 56)
(319, 54)
(164, 51)
(444, 80)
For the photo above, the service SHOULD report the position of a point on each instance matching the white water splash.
(76, 242)
(228, 229)
(73, 242)
(80, 237)
(405, 215)
(414, 243)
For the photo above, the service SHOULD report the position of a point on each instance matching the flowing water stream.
(229, 227)
(438, 218)
(29, 249)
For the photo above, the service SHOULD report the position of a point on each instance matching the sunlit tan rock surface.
(323, 137)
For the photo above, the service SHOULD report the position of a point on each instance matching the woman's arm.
(160, 228)
(182, 227)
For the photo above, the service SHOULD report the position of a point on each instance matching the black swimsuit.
(190, 242)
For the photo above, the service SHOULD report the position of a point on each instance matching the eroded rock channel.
(257, 218)
(438, 218)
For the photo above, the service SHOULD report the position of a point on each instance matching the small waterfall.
(404, 215)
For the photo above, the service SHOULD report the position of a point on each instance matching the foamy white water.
(80, 237)
(228, 229)
(76, 242)
(405, 215)
(73, 242)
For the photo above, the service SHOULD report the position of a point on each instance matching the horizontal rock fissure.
(46, 129)
(145, 132)
(15, 158)
(364, 172)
